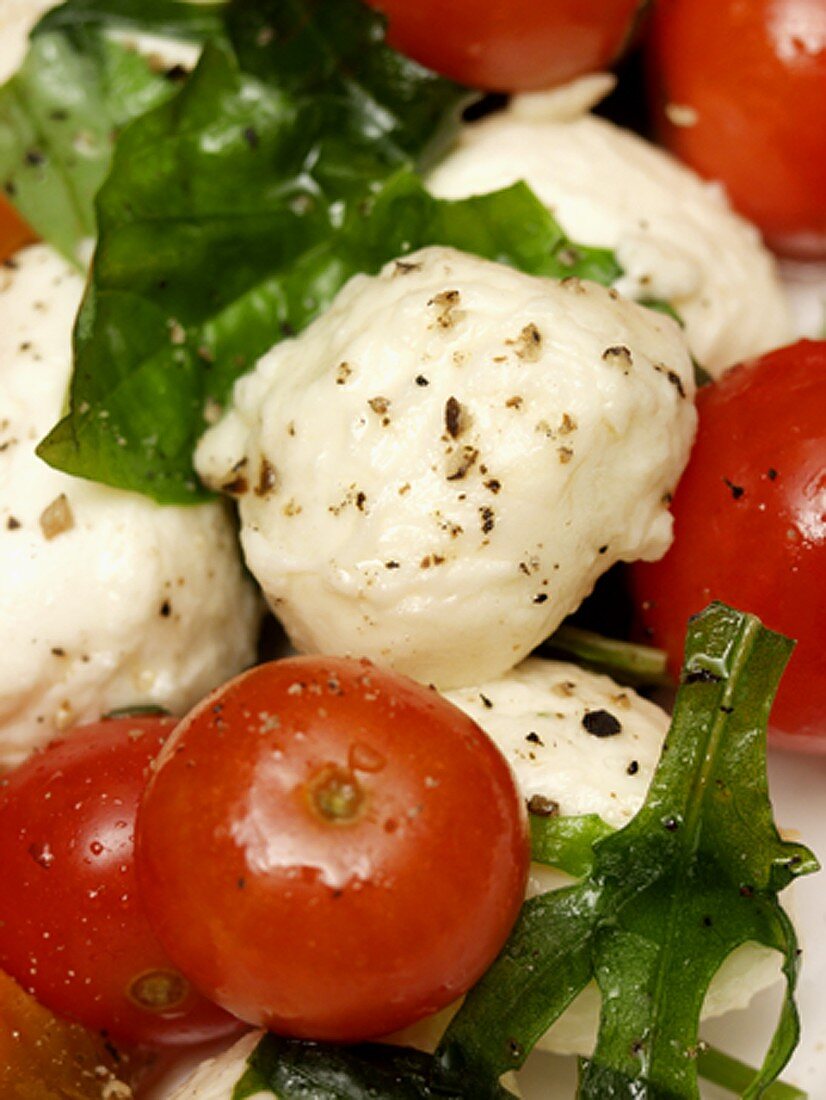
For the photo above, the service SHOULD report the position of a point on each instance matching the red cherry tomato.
(511, 45)
(349, 850)
(750, 525)
(72, 928)
(740, 89)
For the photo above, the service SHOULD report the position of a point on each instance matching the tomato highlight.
(511, 45)
(738, 91)
(350, 849)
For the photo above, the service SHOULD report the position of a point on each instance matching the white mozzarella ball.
(108, 599)
(674, 235)
(571, 736)
(435, 472)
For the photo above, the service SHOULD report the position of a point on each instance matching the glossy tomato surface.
(511, 45)
(740, 88)
(750, 526)
(349, 850)
(72, 927)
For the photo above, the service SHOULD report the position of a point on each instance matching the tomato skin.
(511, 45)
(750, 526)
(323, 926)
(755, 74)
(72, 928)
(14, 233)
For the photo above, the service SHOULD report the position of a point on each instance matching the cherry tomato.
(72, 928)
(14, 232)
(349, 850)
(750, 525)
(740, 89)
(44, 1058)
(511, 45)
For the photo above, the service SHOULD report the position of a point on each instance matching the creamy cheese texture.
(571, 736)
(106, 598)
(438, 469)
(675, 236)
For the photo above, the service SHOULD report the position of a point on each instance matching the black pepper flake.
(35, 157)
(633, 768)
(453, 417)
(267, 478)
(603, 549)
(488, 519)
(515, 1049)
(493, 485)
(671, 824)
(12, 523)
(672, 377)
(600, 723)
(540, 806)
(771, 473)
(166, 609)
(421, 380)
(540, 597)
(534, 738)
(176, 73)
(701, 676)
(391, 565)
(707, 922)
(486, 703)
(737, 491)
(361, 500)
(241, 883)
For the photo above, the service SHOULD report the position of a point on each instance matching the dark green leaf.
(231, 218)
(175, 18)
(692, 877)
(297, 1070)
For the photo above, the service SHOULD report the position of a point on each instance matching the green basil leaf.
(232, 216)
(693, 876)
(58, 115)
(292, 1069)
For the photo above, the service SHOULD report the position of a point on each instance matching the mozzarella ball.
(571, 736)
(108, 599)
(435, 472)
(674, 235)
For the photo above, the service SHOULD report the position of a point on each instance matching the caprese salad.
(289, 320)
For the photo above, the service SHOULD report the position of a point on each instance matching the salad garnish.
(695, 874)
